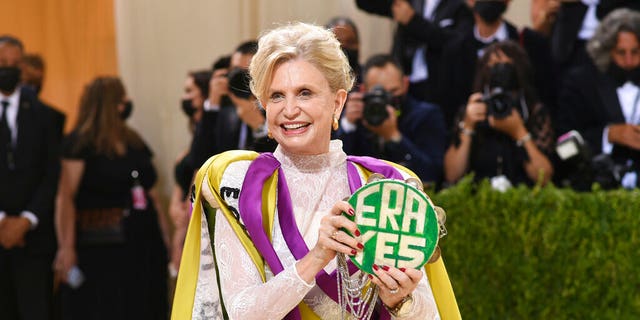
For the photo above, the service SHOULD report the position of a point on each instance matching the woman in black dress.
(504, 132)
(107, 218)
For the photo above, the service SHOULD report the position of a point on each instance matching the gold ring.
(394, 291)
(334, 235)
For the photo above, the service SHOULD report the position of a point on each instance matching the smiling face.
(301, 106)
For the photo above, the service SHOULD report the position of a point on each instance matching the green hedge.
(542, 253)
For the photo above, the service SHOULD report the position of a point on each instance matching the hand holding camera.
(377, 108)
(511, 125)
(625, 134)
(475, 112)
(218, 86)
(354, 106)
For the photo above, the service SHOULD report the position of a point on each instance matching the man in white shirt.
(602, 100)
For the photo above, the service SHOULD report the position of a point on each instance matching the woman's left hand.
(511, 125)
(395, 284)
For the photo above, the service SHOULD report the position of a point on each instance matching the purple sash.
(250, 207)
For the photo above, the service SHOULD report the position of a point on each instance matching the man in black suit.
(33, 72)
(221, 128)
(460, 54)
(424, 27)
(29, 140)
(575, 24)
(406, 130)
(601, 100)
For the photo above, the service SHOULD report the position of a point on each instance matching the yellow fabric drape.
(75, 38)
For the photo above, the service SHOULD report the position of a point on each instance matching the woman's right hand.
(475, 112)
(331, 239)
(65, 259)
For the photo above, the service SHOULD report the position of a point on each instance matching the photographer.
(250, 112)
(600, 100)
(503, 132)
(221, 128)
(387, 123)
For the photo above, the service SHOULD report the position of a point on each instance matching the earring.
(335, 123)
(269, 135)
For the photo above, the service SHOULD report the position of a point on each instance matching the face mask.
(620, 76)
(490, 11)
(9, 78)
(188, 108)
(128, 108)
(504, 75)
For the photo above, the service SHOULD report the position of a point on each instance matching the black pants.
(26, 284)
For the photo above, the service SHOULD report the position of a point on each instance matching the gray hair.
(606, 35)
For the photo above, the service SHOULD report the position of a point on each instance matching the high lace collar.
(312, 163)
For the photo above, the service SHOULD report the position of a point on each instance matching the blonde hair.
(312, 43)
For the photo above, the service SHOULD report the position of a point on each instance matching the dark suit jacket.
(219, 131)
(588, 103)
(451, 17)
(421, 148)
(564, 35)
(32, 184)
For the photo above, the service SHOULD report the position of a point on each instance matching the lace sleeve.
(244, 294)
(539, 125)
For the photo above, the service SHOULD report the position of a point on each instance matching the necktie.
(5, 132)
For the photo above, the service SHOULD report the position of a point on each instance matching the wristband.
(520, 142)
(465, 131)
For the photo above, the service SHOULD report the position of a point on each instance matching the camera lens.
(375, 106)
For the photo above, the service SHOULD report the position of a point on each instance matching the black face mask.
(505, 76)
(188, 108)
(490, 11)
(128, 109)
(9, 78)
(620, 75)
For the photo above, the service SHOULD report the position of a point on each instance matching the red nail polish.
(375, 267)
(353, 252)
(360, 246)
(385, 268)
(351, 212)
(370, 277)
(403, 269)
(357, 233)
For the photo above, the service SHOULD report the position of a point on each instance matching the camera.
(499, 102)
(239, 82)
(498, 95)
(581, 169)
(375, 105)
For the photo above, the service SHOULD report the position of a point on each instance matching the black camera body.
(580, 169)
(498, 93)
(375, 105)
(239, 82)
(499, 102)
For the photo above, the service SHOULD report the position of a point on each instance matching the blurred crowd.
(461, 91)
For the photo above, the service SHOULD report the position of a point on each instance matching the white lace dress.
(316, 183)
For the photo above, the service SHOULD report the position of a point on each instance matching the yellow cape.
(213, 169)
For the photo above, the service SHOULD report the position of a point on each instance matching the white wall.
(159, 41)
